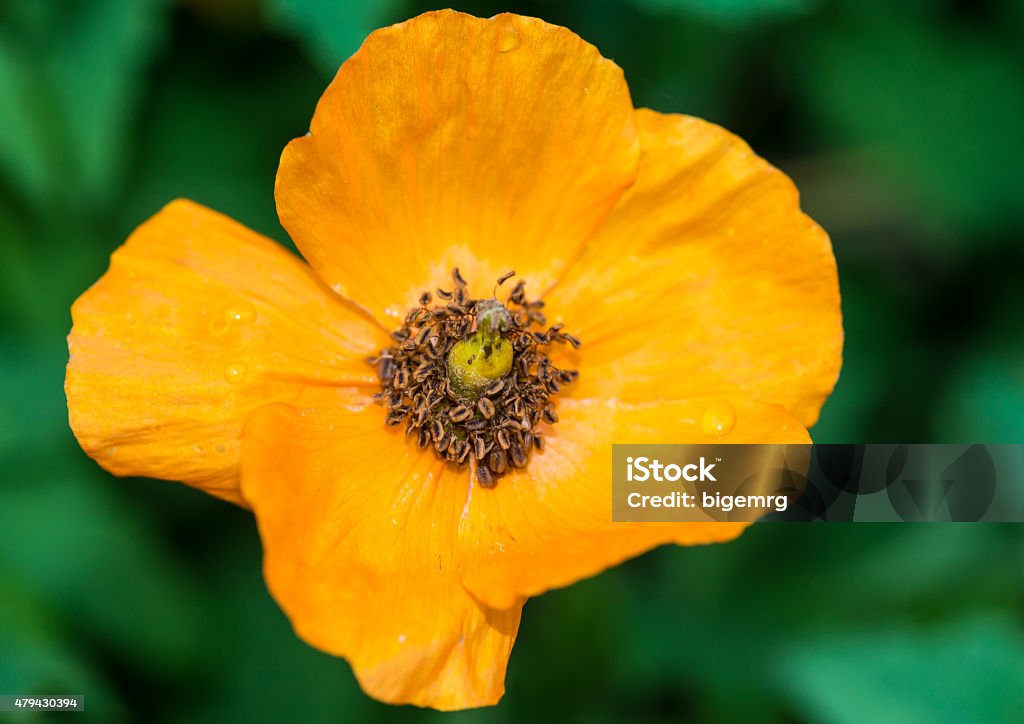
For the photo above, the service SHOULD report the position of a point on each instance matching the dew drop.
(241, 313)
(221, 448)
(508, 38)
(719, 419)
(235, 372)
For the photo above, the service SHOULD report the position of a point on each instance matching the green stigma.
(476, 362)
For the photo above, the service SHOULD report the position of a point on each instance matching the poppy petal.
(359, 534)
(197, 322)
(402, 177)
(706, 278)
(550, 524)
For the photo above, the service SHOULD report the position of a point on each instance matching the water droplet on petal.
(235, 372)
(508, 38)
(241, 313)
(719, 419)
(219, 326)
(221, 448)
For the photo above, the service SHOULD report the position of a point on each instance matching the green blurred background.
(903, 125)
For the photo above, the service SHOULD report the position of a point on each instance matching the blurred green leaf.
(873, 325)
(939, 109)
(33, 412)
(47, 263)
(92, 559)
(215, 136)
(544, 669)
(985, 399)
(39, 658)
(70, 80)
(713, 621)
(967, 671)
(264, 671)
(332, 30)
(731, 11)
(26, 159)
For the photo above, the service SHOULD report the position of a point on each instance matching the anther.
(494, 388)
(484, 477)
(496, 461)
(460, 413)
(518, 455)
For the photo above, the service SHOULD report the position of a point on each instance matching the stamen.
(470, 377)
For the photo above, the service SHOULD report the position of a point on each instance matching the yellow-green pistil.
(485, 356)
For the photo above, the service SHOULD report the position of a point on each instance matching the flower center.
(471, 377)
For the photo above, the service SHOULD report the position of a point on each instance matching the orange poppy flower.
(706, 302)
